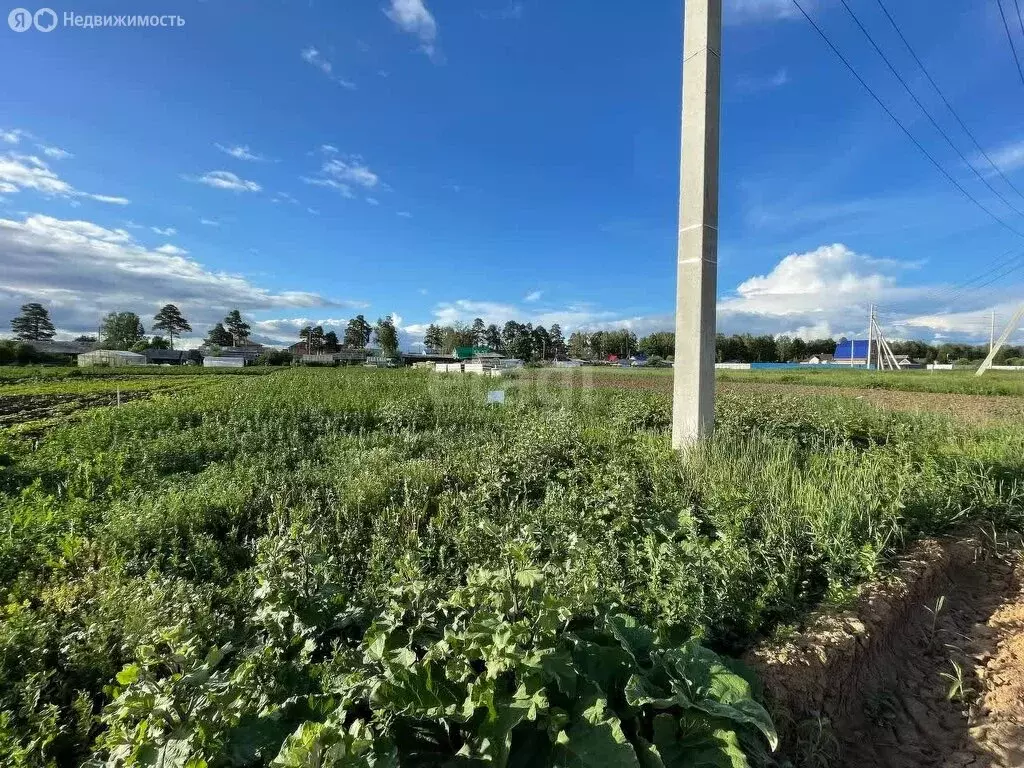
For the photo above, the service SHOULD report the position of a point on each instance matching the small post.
(693, 379)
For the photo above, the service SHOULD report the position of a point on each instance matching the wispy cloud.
(20, 172)
(312, 56)
(1009, 157)
(343, 173)
(284, 197)
(55, 152)
(166, 232)
(373, 201)
(404, 214)
(533, 296)
(413, 17)
(12, 135)
(240, 152)
(748, 11)
(209, 222)
(226, 180)
(755, 83)
(511, 11)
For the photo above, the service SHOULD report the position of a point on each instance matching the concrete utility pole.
(871, 330)
(1003, 338)
(992, 332)
(693, 390)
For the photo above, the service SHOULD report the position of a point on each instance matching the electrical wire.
(924, 109)
(1009, 37)
(902, 127)
(942, 95)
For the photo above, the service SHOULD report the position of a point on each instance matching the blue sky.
(448, 159)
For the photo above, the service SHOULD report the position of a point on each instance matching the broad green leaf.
(637, 640)
(596, 740)
(746, 712)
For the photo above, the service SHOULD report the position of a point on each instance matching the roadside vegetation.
(360, 567)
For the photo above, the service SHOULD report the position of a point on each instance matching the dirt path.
(950, 690)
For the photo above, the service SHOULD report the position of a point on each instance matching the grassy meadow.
(356, 567)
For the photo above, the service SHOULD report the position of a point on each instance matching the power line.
(1020, 19)
(1009, 37)
(927, 114)
(902, 127)
(942, 96)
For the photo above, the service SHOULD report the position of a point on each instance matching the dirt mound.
(927, 670)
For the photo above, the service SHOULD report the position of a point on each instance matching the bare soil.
(926, 670)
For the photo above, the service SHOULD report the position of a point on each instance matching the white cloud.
(240, 152)
(345, 189)
(210, 222)
(743, 11)
(311, 55)
(284, 197)
(55, 152)
(413, 17)
(533, 296)
(342, 173)
(226, 180)
(19, 172)
(12, 136)
(405, 214)
(285, 330)
(166, 232)
(351, 170)
(313, 211)
(1009, 157)
(171, 250)
(81, 270)
(373, 201)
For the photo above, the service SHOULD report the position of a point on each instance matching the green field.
(955, 382)
(361, 567)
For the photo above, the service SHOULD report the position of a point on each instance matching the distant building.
(476, 353)
(851, 352)
(820, 359)
(248, 352)
(172, 356)
(211, 361)
(110, 357)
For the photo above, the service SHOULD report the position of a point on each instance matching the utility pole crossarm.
(693, 391)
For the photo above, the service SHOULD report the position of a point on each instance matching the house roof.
(464, 353)
(855, 348)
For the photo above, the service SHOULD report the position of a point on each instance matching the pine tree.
(357, 332)
(237, 327)
(479, 333)
(556, 342)
(219, 336)
(33, 324)
(432, 339)
(170, 319)
(492, 338)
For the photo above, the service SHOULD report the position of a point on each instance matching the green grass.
(24, 373)
(283, 514)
